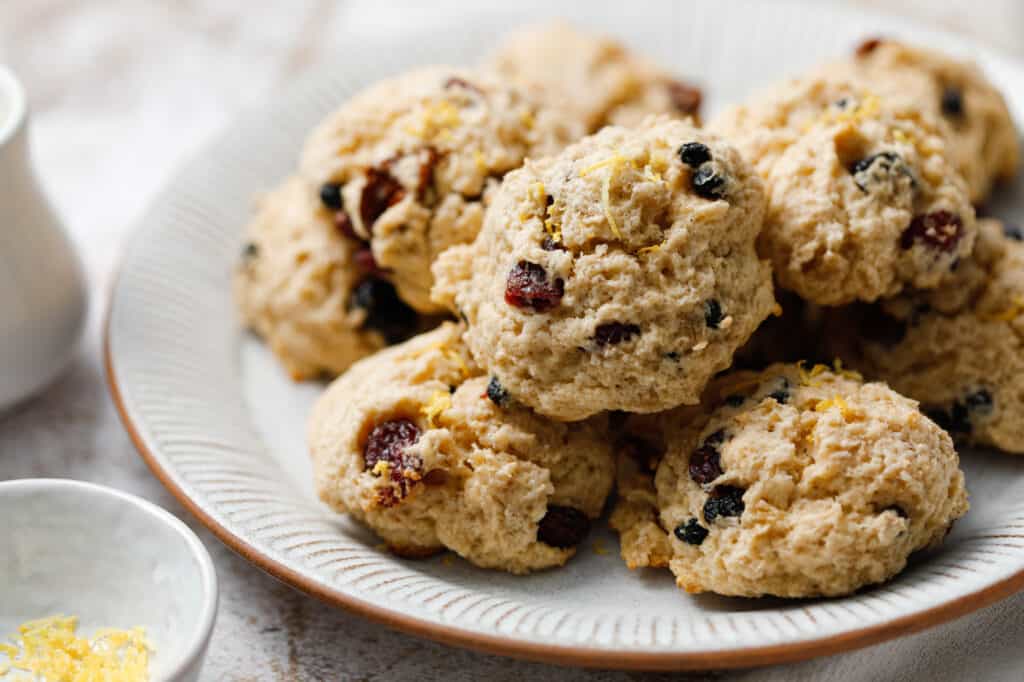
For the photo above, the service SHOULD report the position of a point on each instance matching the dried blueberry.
(883, 167)
(528, 286)
(781, 394)
(693, 154)
(550, 244)
(382, 191)
(250, 250)
(614, 333)
(672, 355)
(705, 464)
(724, 500)
(1013, 232)
(330, 196)
(952, 102)
(497, 393)
(685, 97)
(979, 402)
(713, 313)
(708, 184)
(388, 442)
(385, 311)
(563, 527)
(691, 532)
(940, 230)
(868, 46)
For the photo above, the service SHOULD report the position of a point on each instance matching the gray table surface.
(122, 93)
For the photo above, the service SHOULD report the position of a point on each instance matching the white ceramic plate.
(223, 428)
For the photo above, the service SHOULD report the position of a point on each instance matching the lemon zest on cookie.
(527, 119)
(614, 164)
(479, 160)
(837, 367)
(439, 402)
(649, 249)
(381, 468)
(1009, 314)
(835, 401)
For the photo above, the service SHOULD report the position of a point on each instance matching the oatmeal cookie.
(620, 274)
(430, 453)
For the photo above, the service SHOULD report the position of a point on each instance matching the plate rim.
(558, 654)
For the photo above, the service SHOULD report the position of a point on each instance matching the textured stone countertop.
(122, 93)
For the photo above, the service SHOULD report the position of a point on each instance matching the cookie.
(429, 453)
(862, 197)
(983, 141)
(408, 163)
(958, 349)
(313, 294)
(594, 78)
(620, 274)
(798, 483)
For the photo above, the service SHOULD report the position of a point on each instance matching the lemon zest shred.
(479, 160)
(1010, 314)
(650, 249)
(527, 119)
(439, 402)
(381, 468)
(606, 189)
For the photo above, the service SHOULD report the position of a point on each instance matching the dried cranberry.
(388, 442)
(685, 97)
(614, 333)
(365, 262)
(1013, 232)
(497, 393)
(713, 313)
(528, 286)
(382, 191)
(691, 532)
(724, 500)
(952, 102)
(344, 225)
(708, 184)
(868, 46)
(940, 230)
(693, 154)
(385, 311)
(563, 527)
(705, 461)
(426, 176)
(330, 196)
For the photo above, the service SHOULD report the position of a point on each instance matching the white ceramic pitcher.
(43, 298)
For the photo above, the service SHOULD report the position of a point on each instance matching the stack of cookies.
(541, 282)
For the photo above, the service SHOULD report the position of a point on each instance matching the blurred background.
(121, 94)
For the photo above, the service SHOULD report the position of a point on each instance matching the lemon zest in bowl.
(49, 649)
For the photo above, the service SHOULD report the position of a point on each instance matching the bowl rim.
(195, 648)
(12, 88)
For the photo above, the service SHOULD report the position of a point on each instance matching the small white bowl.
(110, 558)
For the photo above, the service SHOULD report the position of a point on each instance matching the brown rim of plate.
(566, 655)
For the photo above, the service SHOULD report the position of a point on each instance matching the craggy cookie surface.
(863, 199)
(311, 292)
(797, 483)
(416, 443)
(595, 79)
(409, 161)
(620, 274)
(983, 141)
(958, 349)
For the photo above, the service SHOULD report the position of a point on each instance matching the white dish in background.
(223, 427)
(113, 560)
